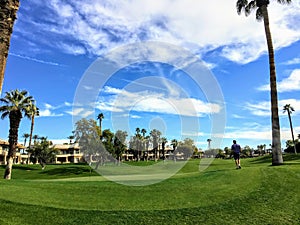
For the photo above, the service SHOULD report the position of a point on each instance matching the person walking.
(236, 148)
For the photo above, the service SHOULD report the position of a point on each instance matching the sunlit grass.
(70, 194)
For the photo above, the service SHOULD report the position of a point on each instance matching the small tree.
(43, 152)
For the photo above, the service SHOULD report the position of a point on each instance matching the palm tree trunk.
(30, 137)
(291, 126)
(8, 14)
(14, 120)
(276, 142)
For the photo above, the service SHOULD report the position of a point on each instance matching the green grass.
(70, 194)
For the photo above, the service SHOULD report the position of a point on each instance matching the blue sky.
(57, 46)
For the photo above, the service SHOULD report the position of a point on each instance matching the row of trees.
(293, 145)
(100, 146)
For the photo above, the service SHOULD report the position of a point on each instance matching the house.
(19, 157)
(68, 153)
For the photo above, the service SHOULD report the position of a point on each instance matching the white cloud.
(146, 101)
(100, 25)
(258, 133)
(293, 61)
(291, 83)
(264, 108)
(48, 113)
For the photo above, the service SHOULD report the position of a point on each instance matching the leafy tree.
(289, 109)
(119, 144)
(186, 147)
(261, 7)
(108, 140)
(42, 152)
(87, 135)
(16, 105)
(8, 15)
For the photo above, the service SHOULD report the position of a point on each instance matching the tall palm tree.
(35, 137)
(138, 139)
(261, 7)
(8, 15)
(209, 141)
(32, 112)
(143, 131)
(16, 105)
(163, 146)
(155, 135)
(100, 117)
(25, 136)
(289, 109)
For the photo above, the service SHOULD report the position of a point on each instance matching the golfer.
(236, 148)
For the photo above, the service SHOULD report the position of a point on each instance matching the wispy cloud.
(35, 59)
(294, 61)
(264, 108)
(257, 133)
(96, 26)
(291, 83)
(146, 101)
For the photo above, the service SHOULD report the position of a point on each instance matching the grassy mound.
(71, 194)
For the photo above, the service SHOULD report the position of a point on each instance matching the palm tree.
(289, 109)
(71, 137)
(143, 131)
(16, 104)
(163, 144)
(155, 134)
(25, 136)
(32, 112)
(262, 14)
(174, 143)
(100, 117)
(35, 137)
(209, 141)
(8, 15)
(138, 140)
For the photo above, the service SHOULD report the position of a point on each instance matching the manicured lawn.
(70, 194)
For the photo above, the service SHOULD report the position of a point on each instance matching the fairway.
(70, 194)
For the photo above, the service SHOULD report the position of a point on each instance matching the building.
(68, 153)
(20, 157)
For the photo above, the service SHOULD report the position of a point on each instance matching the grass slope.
(70, 194)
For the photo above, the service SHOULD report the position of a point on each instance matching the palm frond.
(259, 15)
(284, 1)
(250, 7)
(240, 5)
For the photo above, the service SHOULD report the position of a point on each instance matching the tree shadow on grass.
(21, 167)
(288, 159)
(67, 171)
(261, 159)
